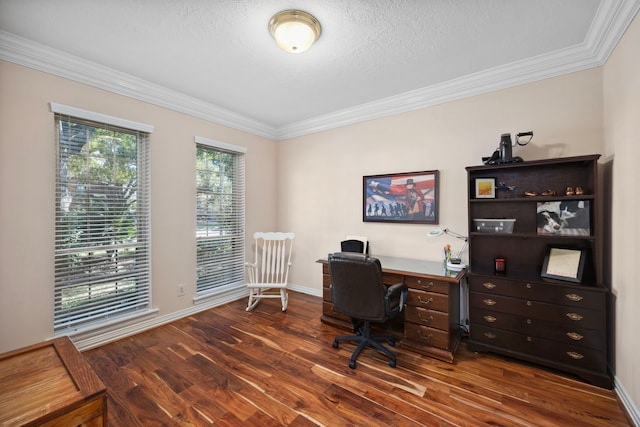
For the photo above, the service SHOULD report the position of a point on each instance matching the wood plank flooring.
(228, 367)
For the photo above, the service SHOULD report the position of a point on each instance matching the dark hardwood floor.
(228, 367)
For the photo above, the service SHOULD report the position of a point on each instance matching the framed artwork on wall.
(410, 197)
(485, 188)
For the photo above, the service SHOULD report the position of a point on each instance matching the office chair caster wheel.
(335, 343)
(352, 364)
(392, 343)
(392, 363)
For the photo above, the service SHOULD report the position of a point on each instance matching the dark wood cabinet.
(517, 312)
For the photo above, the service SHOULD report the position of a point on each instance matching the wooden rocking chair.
(269, 272)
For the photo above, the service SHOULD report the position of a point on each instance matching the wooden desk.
(50, 384)
(431, 324)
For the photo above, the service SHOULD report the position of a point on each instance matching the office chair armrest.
(392, 291)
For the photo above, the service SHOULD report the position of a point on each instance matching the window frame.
(205, 286)
(128, 257)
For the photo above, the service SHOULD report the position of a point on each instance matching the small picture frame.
(564, 264)
(485, 188)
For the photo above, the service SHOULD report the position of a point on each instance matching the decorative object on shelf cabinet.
(564, 217)
(524, 313)
(489, 225)
(564, 264)
(485, 188)
(504, 152)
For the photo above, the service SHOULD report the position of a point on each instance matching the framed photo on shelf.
(564, 264)
(485, 188)
(564, 218)
(410, 197)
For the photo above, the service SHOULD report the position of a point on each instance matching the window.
(102, 254)
(219, 216)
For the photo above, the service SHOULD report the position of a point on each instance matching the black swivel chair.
(357, 291)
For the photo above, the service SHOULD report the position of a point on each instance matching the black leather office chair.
(357, 291)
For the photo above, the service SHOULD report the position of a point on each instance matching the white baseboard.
(627, 402)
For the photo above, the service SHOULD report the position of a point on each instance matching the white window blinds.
(219, 216)
(102, 253)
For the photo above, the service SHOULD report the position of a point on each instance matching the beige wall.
(622, 153)
(27, 184)
(320, 178)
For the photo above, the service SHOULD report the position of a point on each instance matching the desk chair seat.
(357, 291)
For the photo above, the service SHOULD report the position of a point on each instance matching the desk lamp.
(452, 263)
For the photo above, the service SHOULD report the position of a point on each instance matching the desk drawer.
(431, 318)
(427, 285)
(427, 336)
(428, 300)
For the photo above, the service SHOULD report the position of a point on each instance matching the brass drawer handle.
(488, 285)
(490, 319)
(574, 355)
(574, 336)
(529, 321)
(427, 286)
(425, 319)
(574, 297)
(574, 316)
(528, 303)
(490, 335)
(489, 301)
(427, 301)
(528, 285)
(428, 337)
(529, 339)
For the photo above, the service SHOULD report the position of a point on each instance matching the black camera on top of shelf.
(504, 153)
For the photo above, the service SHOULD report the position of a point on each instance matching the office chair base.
(364, 339)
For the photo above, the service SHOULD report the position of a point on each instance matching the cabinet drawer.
(579, 317)
(432, 318)
(567, 354)
(427, 336)
(427, 285)
(575, 296)
(326, 293)
(428, 300)
(564, 333)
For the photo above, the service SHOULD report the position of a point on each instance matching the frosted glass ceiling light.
(294, 30)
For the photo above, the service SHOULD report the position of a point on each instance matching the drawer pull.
(427, 301)
(529, 339)
(574, 297)
(490, 335)
(427, 286)
(574, 336)
(574, 316)
(427, 337)
(574, 355)
(488, 285)
(489, 301)
(528, 303)
(529, 321)
(425, 319)
(490, 319)
(528, 285)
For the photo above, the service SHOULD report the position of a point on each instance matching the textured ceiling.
(220, 53)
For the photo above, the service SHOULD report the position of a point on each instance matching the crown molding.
(611, 20)
(609, 24)
(30, 54)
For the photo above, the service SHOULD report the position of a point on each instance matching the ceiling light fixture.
(294, 30)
